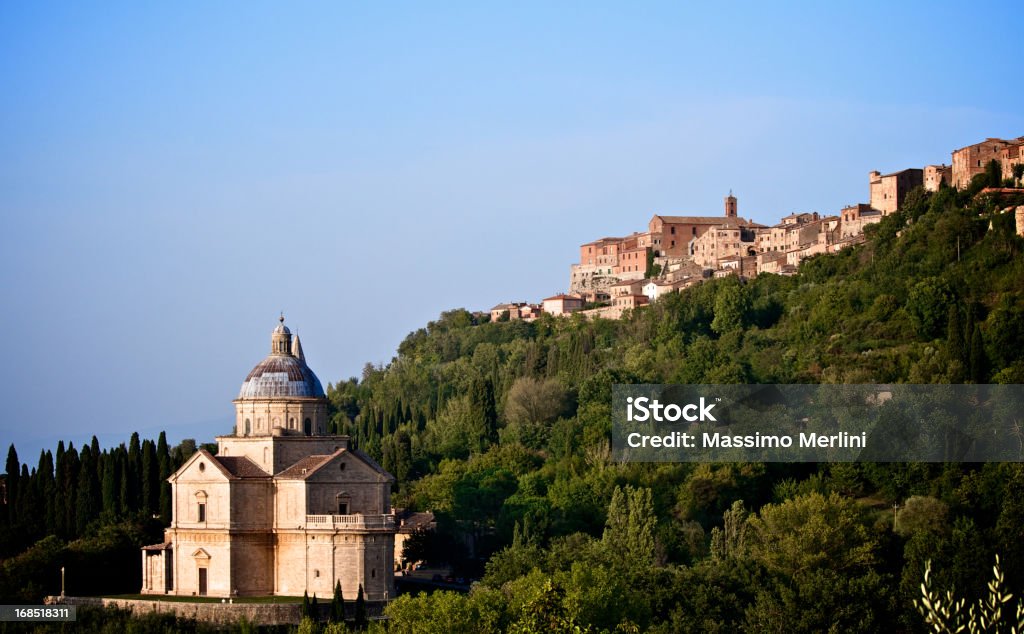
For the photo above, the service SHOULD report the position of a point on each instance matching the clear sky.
(171, 177)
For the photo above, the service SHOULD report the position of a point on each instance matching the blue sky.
(172, 177)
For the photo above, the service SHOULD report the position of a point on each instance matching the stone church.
(283, 508)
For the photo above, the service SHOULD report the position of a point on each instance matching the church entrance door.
(202, 582)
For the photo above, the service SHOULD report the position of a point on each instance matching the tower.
(730, 205)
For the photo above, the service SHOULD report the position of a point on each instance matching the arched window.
(307, 427)
(248, 427)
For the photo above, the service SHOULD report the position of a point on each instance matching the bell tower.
(730, 205)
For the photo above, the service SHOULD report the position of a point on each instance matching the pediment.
(349, 466)
(202, 466)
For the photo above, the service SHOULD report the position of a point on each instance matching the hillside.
(502, 429)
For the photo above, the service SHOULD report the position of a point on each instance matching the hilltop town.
(615, 274)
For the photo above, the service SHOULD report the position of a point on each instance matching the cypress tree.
(150, 478)
(110, 490)
(124, 486)
(133, 472)
(361, 619)
(59, 492)
(163, 457)
(314, 610)
(69, 481)
(979, 360)
(387, 460)
(338, 604)
(94, 447)
(955, 338)
(403, 455)
(305, 604)
(87, 508)
(24, 513)
(47, 491)
(13, 473)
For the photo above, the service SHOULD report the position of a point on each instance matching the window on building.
(342, 507)
(202, 512)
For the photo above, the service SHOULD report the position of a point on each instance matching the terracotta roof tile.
(241, 467)
(304, 467)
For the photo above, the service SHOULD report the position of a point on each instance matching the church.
(283, 508)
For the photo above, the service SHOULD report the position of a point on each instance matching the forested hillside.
(503, 431)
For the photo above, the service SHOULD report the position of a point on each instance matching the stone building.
(283, 508)
(935, 175)
(562, 304)
(632, 264)
(971, 160)
(889, 190)
(722, 242)
(506, 310)
(1010, 157)
(854, 218)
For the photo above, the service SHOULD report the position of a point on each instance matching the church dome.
(284, 372)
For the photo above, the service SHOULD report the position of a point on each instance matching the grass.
(190, 599)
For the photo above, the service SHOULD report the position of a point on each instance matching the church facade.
(283, 508)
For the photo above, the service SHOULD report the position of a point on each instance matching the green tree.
(921, 514)
(955, 339)
(979, 360)
(546, 613)
(731, 306)
(483, 411)
(109, 487)
(338, 604)
(730, 541)
(88, 494)
(149, 474)
(360, 619)
(811, 532)
(993, 174)
(13, 473)
(652, 269)
(928, 304)
(164, 470)
(629, 531)
(531, 406)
